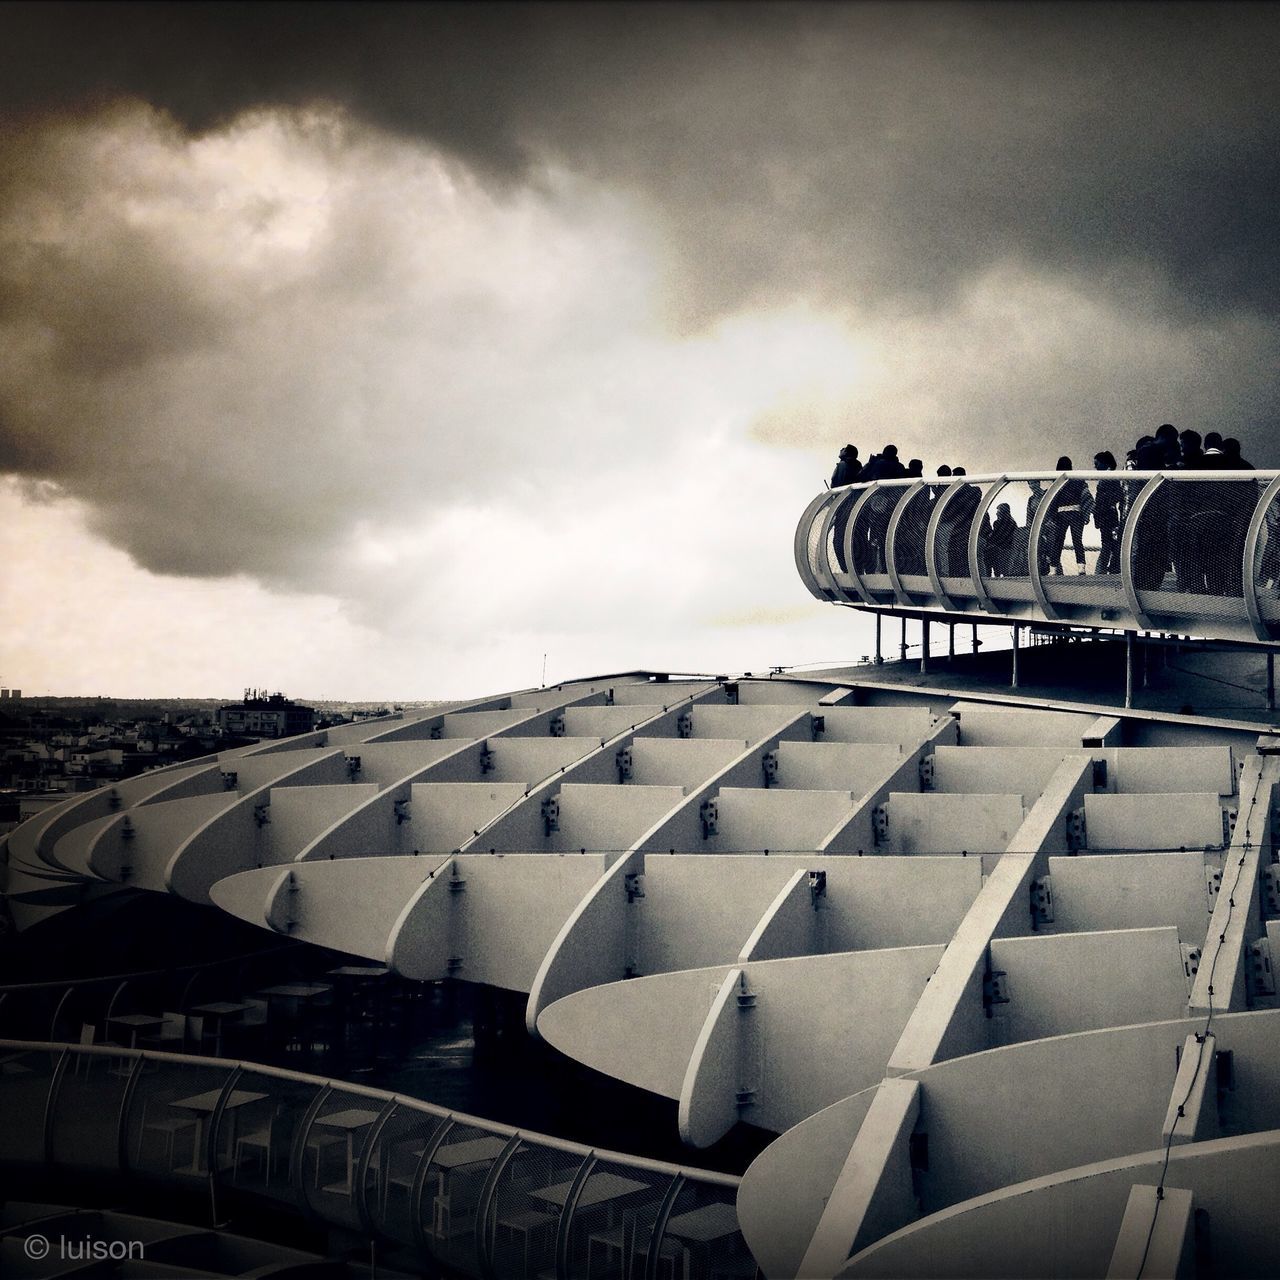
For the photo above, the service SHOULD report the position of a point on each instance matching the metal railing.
(457, 1193)
(1195, 552)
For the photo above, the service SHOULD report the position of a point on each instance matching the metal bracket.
(731, 692)
(1212, 884)
(817, 887)
(353, 766)
(1077, 835)
(401, 808)
(551, 815)
(457, 882)
(486, 759)
(113, 799)
(1190, 964)
(622, 758)
(1271, 888)
(262, 813)
(817, 726)
(880, 823)
(709, 812)
(633, 882)
(684, 724)
(1260, 974)
(995, 989)
(556, 725)
(230, 779)
(1042, 901)
(1229, 818)
(769, 765)
(927, 773)
(437, 732)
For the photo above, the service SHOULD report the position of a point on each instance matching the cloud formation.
(459, 314)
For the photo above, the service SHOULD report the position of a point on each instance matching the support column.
(975, 637)
(879, 656)
(1013, 683)
(951, 639)
(924, 647)
(902, 655)
(1128, 668)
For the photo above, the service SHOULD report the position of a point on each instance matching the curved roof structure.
(982, 962)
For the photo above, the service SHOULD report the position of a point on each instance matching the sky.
(416, 351)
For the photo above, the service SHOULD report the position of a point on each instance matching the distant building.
(262, 715)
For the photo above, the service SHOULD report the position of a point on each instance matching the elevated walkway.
(1189, 552)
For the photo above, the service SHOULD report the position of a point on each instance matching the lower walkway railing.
(445, 1191)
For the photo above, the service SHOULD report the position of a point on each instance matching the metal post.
(1271, 681)
(902, 656)
(951, 640)
(924, 646)
(879, 657)
(975, 637)
(1013, 683)
(1128, 668)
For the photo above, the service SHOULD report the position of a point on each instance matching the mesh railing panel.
(331, 1153)
(86, 1113)
(1266, 565)
(702, 1240)
(1080, 543)
(1003, 555)
(451, 1197)
(256, 1154)
(871, 529)
(520, 1234)
(952, 544)
(25, 1078)
(613, 1220)
(913, 524)
(813, 542)
(167, 1125)
(835, 561)
(1188, 546)
(391, 1171)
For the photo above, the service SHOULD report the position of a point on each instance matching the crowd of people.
(1195, 530)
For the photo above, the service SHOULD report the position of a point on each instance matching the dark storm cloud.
(864, 152)
(280, 282)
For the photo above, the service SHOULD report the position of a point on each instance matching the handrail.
(1192, 552)
(233, 1065)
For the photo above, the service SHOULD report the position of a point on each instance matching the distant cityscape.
(52, 747)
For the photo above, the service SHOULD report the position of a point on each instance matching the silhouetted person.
(1214, 458)
(960, 511)
(1231, 447)
(848, 471)
(1000, 541)
(1167, 439)
(915, 468)
(848, 468)
(1108, 502)
(1068, 516)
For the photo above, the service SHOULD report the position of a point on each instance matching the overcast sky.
(375, 352)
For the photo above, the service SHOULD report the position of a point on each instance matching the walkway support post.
(902, 655)
(975, 637)
(951, 640)
(1013, 683)
(924, 646)
(879, 656)
(1128, 668)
